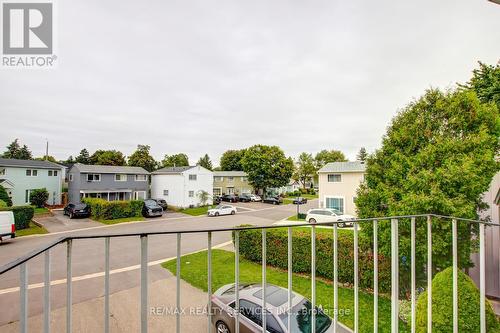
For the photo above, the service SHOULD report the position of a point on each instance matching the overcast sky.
(206, 76)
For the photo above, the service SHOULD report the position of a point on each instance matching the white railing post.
(356, 278)
(237, 281)
(375, 276)
(46, 294)
(313, 278)
(413, 277)
(69, 291)
(429, 274)
(394, 276)
(209, 281)
(455, 275)
(106, 284)
(335, 279)
(144, 283)
(264, 264)
(178, 286)
(23, 293)
(290, 271)
(482, 280)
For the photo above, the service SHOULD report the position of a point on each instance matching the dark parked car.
(229, 198)
(162, 203)
(217, 199)
(299, 201)
(151, 208)
(250, 319)
(273, 200)
(245, 197)
(77, 210)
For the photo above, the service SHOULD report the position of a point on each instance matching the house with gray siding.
(20, 177)
(107, 182)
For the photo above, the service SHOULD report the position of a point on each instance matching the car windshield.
(336, 211)
(150, 203)
(301, 318)
(80, 206)
(218, 207)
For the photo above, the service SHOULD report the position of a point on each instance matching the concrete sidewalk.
(125, 314)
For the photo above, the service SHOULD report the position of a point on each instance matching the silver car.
(250, 295)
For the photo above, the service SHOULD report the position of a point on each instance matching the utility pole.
(47, 150)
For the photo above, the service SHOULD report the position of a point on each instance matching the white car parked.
(255, 198)
(222, 210)
(7, 226)
(329, 215)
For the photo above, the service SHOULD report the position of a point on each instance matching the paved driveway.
(60, 222)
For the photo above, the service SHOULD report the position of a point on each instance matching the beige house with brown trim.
(231, 182)
(338, 183)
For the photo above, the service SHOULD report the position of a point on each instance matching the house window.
(335, 203)
(52, 173)
(165, 193)
(218, 179)
(70, 177)
(55, 173)
(120, 177)
(191, 194)
(139, 195)
(230, 179)
(217, 191)
(31, 173)
(192, 177)
(93, 177)
(141, 178)
(2, 172)
(335, 178)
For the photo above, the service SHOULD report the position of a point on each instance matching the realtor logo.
(27, 28)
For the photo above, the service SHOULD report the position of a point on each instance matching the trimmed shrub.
(3, 204)
(277, 255)
(4, 196)
(442, 306)
(22, 215)
(111, 210)
(39, 197)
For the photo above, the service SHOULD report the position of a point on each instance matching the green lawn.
(295, 218)
(196, 211)
(32, 230)
(41, 211)
(194, 271)
(125, 219)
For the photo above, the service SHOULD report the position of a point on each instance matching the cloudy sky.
(207, 76)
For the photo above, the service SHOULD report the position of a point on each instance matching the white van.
(7, 226)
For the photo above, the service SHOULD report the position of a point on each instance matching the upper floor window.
(120, 177)
(93, 177)
(70, 177)
(334, 178)
(165, 193)
(218, 179)
(31, 173)
(141, 178)
(52, 173)
(230, 179)
(192, 177)
(2, 172)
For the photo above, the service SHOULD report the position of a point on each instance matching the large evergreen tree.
(83, 157)
(14, 150)
(205, 162)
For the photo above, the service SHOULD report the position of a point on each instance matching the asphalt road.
(88, 255)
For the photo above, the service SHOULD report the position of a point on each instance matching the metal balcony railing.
(23, 262)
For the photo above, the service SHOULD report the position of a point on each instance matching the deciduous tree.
(305, 168)
(328, 156)
(108, 157)
(142, 158)
(176, 160)
(231, 160)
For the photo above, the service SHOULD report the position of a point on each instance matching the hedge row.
(22, 215)
(277, 255)
(111, 210)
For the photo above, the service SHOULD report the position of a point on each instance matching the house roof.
(230, 174)
(355, 166)
(172, 170)
(84, 168)
(10, 162)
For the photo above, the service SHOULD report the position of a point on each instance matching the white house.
(181, 186)
(338, 183)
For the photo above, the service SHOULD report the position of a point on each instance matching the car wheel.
(312, 221)
(233, 212)
(222, 327)
(216, 213)
(341, 224)
(71, 216)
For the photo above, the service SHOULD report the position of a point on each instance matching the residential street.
(88, 255)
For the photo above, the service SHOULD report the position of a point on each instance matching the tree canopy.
(362, 154)
(83, 157)
(142, 158)
(438, 156)
(267, 166)
(108, 157)
(305, 169)
(231, 160)
(328, 156)
(14, 150)
(205, 162)
(175, 160)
